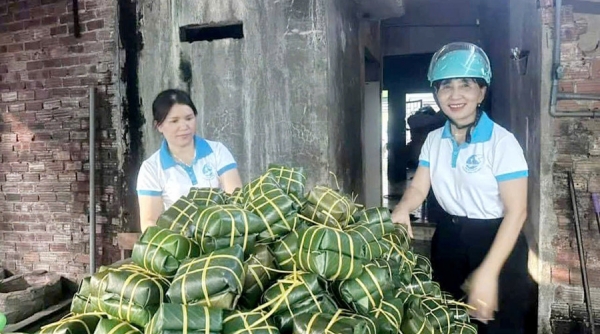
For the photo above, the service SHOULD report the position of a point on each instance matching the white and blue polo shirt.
(161, 175)
(465, 178)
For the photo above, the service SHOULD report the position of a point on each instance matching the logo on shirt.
(209, 171)
(473, 163)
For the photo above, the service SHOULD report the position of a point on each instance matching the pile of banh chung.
(273, 257)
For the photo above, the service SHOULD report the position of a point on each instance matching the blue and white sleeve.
(148, 180)
(509, 161)
(225, 160)
(424, 156)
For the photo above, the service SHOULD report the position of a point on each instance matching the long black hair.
(166, 99)
(481, 83)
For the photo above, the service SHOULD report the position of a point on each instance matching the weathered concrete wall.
(289, 91)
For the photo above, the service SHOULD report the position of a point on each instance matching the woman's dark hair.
(481, 83)
(166, 99)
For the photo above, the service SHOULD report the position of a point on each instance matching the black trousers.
(458, 247)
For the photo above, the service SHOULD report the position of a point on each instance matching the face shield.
(459, 60)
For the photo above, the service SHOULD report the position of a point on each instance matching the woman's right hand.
(400, 216)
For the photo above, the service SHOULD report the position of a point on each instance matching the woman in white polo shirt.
(184, 159)
(478, 174)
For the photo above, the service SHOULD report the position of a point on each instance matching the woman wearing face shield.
(478, 174)
(184, 160)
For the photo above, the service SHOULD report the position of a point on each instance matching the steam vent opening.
(210, 32)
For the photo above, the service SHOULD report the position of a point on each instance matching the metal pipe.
(580, 250)
(92, 204)
(573, 96)
(557, 71)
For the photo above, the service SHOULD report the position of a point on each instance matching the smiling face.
(179, 126)
(458, 99)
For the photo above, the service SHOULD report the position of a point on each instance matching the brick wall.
(577, 147)
(45, 72)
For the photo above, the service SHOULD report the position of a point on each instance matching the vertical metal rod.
(582, 262)
(92, 204)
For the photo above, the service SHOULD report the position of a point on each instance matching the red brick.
(9, 96)
(26, 95)
(588, 87)
(30, 198)
(595, 68)
(55, 104)
(14, 177)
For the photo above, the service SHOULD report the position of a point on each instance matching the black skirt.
(459, 246)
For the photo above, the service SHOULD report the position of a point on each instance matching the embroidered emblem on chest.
(209, 171)
(473, 164)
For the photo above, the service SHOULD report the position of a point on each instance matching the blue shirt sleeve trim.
(227, 168)
(424, 163)
(512, 176)
(149, 193)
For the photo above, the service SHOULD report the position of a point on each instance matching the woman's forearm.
(411, 200)
(504, 242)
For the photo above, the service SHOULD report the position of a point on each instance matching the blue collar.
(481, 133)
(166, 159)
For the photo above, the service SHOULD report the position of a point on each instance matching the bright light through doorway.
(414, 102)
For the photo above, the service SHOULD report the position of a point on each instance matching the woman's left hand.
(483, 294)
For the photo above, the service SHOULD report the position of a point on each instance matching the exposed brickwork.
(45, 72)
(577, 148)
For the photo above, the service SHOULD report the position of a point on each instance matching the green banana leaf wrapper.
(161, 251)
(402, 270)
(369, 235)
(285, 250)
(319, 323)
(459, 313)
(321, 303)
(115, 326)
(438, 314)
(124, 310)
(291, 179)
(193, 319)
(219, 221)
(247, 242)
(293, 289)
(258, 276)
(330, 252)
(237, 197)
(396, 246)
(208, 196)
(328, 207)
(75, 324)
(423, 264)
(132, 284)
(422, 285)
(374, 215)
(463, 328)
(213, 280)
(179, 217)
(388, 315)
(365, 292)
(415, 318)
(265, 198)
(84, 304)
(85, 286)
(238, 322)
